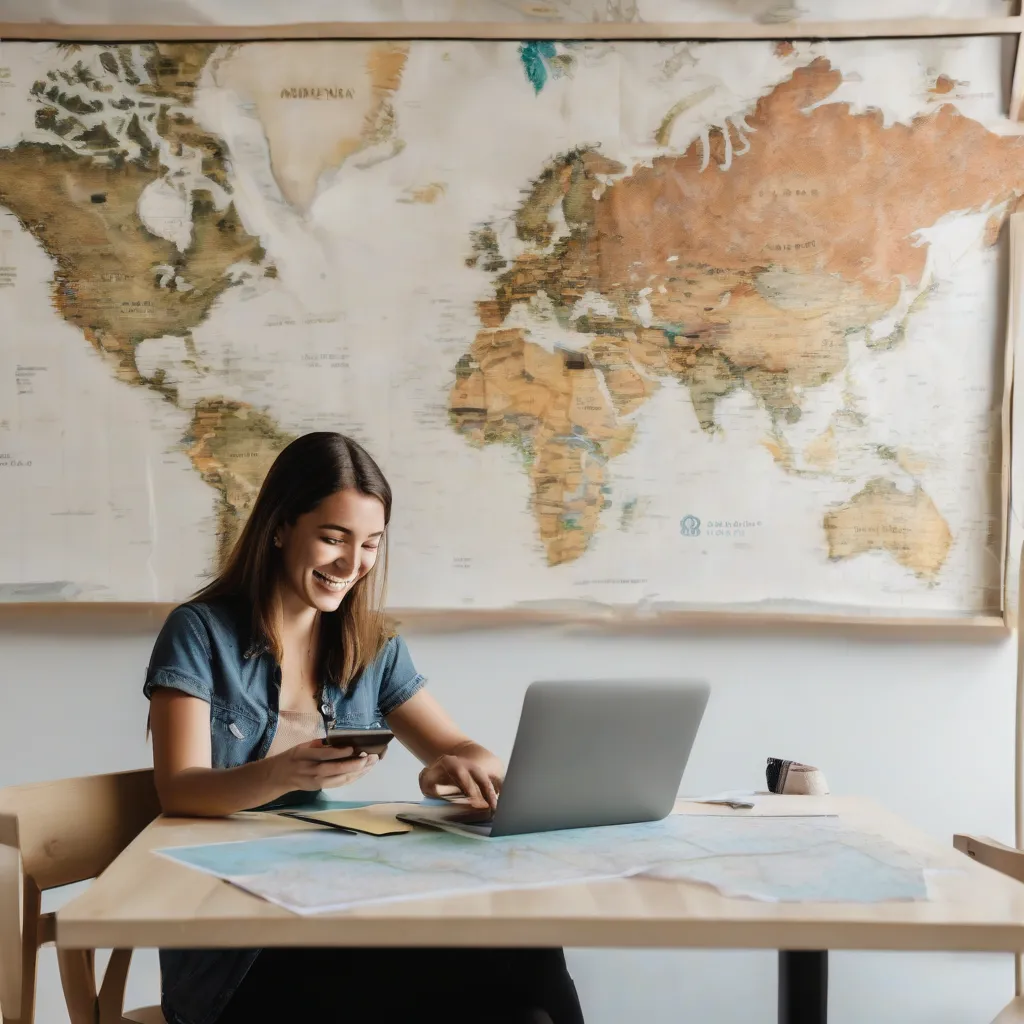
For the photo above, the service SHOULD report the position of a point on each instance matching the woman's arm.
(188, 786)
(453, 761)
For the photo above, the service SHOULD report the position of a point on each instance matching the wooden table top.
(146, 900)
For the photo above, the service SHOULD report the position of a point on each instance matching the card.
(373, 820)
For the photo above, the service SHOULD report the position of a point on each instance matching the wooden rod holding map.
(621, 620)
(1015, 291)
(875, 28)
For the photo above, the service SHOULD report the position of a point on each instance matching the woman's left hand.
(465, 775)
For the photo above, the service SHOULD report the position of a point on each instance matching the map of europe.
(690, 324)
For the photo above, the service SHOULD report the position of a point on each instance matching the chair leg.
(78, 979)
(32, 901)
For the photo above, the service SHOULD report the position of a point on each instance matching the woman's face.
(326, 551)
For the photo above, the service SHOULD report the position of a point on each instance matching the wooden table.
(144, 900)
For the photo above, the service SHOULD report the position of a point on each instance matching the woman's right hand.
(312, 766)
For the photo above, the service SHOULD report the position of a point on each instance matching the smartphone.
(370, 741)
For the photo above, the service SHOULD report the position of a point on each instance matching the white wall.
(926, 729)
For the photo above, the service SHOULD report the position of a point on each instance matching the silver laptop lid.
(598, 753)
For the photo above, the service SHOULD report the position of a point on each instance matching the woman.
(244, 680)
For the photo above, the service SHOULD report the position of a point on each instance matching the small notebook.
(373, 820)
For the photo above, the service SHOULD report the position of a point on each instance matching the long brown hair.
(313, 467)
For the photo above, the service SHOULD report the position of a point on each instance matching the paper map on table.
(786, 859)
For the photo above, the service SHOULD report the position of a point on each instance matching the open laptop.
(586, 754)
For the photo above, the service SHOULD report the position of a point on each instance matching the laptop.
(587, 754)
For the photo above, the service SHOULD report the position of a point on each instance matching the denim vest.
(206, 650)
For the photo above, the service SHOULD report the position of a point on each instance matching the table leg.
(803, 986)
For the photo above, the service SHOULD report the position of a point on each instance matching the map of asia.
(686, 325)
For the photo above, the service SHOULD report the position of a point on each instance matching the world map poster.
(672, 325)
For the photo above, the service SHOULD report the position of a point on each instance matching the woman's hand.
(312, 766)
(450, 771)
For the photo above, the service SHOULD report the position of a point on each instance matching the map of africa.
(666, 324)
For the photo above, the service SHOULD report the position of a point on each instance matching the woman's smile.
(334, 584)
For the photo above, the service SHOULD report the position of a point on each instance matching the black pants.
(403, 986)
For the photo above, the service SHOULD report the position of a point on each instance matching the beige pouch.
(795, 778)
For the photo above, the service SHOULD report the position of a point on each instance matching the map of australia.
(754, 293)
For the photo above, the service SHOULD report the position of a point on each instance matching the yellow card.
(375, 820)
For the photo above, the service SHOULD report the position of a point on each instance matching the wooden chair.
(53, 834)
(998, 856)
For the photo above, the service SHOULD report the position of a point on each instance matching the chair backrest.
(53, 834)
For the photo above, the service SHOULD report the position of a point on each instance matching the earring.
(277, 542)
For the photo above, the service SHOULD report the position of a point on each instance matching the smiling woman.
(245, 679)
(312, 543)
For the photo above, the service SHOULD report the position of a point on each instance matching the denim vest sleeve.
(399, 678)
(182, 656)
